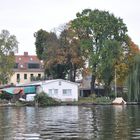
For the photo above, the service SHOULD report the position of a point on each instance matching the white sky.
(25, 17)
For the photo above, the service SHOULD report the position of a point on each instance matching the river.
(70, 123)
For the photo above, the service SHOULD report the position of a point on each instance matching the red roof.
(24, 60)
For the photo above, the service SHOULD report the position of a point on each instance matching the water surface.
(70, 123)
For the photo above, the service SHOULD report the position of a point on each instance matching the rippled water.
(70, 123)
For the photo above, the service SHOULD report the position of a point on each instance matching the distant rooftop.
(25, 61)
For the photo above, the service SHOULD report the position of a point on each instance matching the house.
(85, 87)
(58, 89)
(26, 68)
(61, 89)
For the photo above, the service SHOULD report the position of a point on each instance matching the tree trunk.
(107, 89)
(72, 73)
(93, 84)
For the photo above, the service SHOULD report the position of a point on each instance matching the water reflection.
(70, 122)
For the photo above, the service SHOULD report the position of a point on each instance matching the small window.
(67, 92)
(39, 75)
(16, 66)
(25, 76)
(33, 65)
(55, 91)
(18, 77)
(50, 91)
(31, 77)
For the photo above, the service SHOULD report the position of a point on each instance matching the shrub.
(112, 95)
(44, 100)
(103, 100)
(5, 96)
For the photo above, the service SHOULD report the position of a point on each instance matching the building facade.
(27, 67)
(60, 89)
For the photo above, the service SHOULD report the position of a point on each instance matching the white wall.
(30, 97)
(60, 85)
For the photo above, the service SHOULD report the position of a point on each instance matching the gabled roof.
(24, 60)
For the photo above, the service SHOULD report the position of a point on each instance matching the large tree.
(62, 55)
(72, 56)
(94, 28)
(46, 49)
(8, 45)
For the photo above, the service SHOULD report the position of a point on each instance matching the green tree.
(94, 28)
(114, 59)
(134, 80)
(40, 42)
(8, 45)
(110, 54)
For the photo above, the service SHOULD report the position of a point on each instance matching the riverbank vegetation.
(93, 100)
(42, 99)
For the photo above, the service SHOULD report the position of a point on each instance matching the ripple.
(136, 134)
(33, 136)
(69, 123)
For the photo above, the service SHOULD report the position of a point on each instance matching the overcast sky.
(24, 17)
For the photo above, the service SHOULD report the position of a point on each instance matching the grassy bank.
(43, 99)
(90, 101)
(94, 100)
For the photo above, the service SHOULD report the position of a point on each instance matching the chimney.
(25, 53)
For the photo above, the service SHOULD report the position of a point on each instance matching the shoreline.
(67, 104)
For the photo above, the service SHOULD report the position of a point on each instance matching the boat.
(119, 101)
